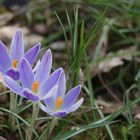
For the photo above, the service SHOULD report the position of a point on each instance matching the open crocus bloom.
(9, 64)
(38, 85)
(60, 104)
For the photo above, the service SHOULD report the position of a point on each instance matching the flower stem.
(52, 126)
(12, 107)
(29, 133)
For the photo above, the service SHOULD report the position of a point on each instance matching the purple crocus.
(59, 104)
(9, 63)
(38, 85)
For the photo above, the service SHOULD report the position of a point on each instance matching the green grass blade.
(18, 117)
(100, 123)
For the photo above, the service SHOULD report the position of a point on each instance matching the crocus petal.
(50, 93)
(75, 106)
(4, 58)
(26, 74)
(71, 97)
(30, 95)
(36, 66)
(62, 86)
(32, 53)
(60, 114)
(49, 102)
(13, 73)
(43, 71)
(2, 70)
(44, 108)
(50, 83)
(47, 110)
(17, 46)
(13, 85)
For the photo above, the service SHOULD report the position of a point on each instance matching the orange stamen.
(15, 63)
(59, 102)
(35, 86)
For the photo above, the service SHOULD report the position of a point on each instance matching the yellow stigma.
(35, 86)
(59, 102)
(15, 63)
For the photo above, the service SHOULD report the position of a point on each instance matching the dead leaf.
(137, 116)
(2, 138)
(41, 28)
(108, 107)
(59, 45)
(114, 61)
(32, 39)
(7, 32)
(106, 66)
(5, 17)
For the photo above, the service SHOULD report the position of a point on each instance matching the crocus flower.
(59, 104)
(9, 63)
(37, 85)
